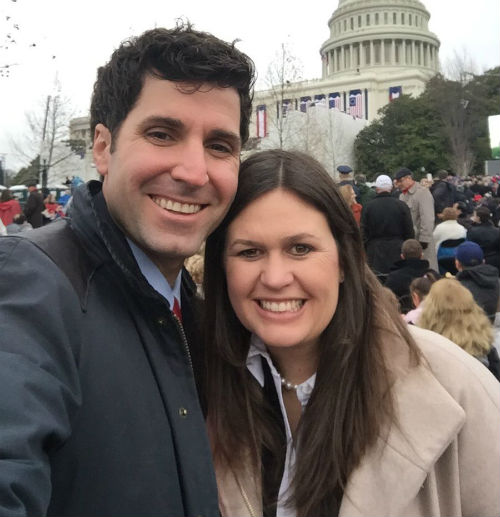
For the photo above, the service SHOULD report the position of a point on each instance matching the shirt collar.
(154, 276)
(257, 350)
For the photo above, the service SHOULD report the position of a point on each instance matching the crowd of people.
(290, 382)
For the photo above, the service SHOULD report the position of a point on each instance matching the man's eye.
(221, 148)
(301, 249)
(157, 134)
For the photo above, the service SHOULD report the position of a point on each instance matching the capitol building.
(377, 50)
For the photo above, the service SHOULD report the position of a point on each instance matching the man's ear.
(102, 148)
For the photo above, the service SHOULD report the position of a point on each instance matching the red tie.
(177, 309)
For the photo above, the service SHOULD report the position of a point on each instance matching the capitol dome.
(368, 34)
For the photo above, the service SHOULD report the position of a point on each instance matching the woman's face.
(282, 269)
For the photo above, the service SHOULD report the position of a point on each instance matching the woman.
(9, 207)
(320, 399)
(449, 229)
(450, 310)
(350, 198)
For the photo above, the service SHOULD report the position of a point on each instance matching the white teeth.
(289, 306)
(175, 206)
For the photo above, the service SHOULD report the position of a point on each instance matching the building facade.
(377, 50)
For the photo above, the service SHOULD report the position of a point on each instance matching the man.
(481, 279)
(385, 224)
(412, 265)
(345, 178)
(443, 192)
(34, 206)
(366, 193)
(421, 205)
(100, 410)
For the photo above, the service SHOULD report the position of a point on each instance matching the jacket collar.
(391, 475)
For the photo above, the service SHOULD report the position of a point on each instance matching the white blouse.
(257, 350)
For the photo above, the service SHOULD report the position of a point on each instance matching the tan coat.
(442, 460)
(421, 204)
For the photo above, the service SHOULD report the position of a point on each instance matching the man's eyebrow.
(170, 122)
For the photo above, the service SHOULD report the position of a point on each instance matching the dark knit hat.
(469, 254)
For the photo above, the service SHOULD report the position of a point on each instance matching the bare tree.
(282, 76)
(46, 142)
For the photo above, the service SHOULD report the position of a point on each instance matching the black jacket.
(34, 208)
(444, 194)
(482, 282)
(399, 279)
(385, 224)
(100, 413)
(488, 238)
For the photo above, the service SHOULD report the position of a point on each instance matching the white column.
(372, 54)
(393, 51)
(413, 60)
(342, 58)
(362, 57)
(351, 57)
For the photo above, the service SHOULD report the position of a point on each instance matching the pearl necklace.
(287, 384)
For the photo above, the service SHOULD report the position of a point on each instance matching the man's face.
(404, 183)
(174, 169)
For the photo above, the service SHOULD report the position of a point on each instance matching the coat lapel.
(391, 475)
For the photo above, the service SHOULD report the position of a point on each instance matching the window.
(386, 18)
(359, 21)
(376, 18)
(367, 19)
(352, 23)
(345, 25)
(402, 18)
(410, 20)
(394, 19)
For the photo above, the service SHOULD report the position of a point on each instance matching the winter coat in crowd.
(385, 224)
(34, 208)
(8, 209)
(444, 194)
(488, 238)
(482, 282)
(448, 230)
(400, 277)
(421, 204)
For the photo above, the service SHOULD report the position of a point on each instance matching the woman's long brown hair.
(352, 403)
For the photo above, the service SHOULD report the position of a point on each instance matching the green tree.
(406, 134)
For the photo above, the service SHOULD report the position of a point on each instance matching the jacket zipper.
(184, 339)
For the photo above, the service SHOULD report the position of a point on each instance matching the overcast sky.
(73, 38)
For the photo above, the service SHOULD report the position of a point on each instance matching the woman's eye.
(301, 249)
(249, 253)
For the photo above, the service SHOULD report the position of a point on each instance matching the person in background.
(366, 193)
(34, 206)
(100, 352)
(349, 196)
(412, 265)
(9, 207)
(450, 310)
(480, 278)
(421, 205)
(53, 209)
(321, 400)
(443, 192)
(419, 289)
(385, 224)
(448, 229)
(486, 235)
(346, 178)
(18, 225)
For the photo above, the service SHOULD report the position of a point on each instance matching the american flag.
(395, 92)
(304, 103)
(334, 100)
(320, 100)
(261, 121)
(356, 103)
(287, 106)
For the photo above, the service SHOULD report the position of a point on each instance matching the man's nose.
(191, 165)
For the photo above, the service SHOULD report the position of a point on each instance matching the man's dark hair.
(180, 54)
(19, 219)
(483, 213)
(5, 195)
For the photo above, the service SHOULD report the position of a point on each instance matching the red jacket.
(8, 209)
